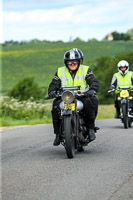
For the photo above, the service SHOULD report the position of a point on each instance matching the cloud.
(99, 14)
(39, 16)
(89, 19)
(1, 22)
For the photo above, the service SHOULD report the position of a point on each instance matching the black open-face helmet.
(80, 52)
(72, 55)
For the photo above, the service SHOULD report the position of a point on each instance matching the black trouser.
(90, 109)
(117, 104)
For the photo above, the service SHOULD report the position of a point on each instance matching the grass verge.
(104, 112)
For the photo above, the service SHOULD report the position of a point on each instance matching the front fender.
(67, 112)
(123, 101)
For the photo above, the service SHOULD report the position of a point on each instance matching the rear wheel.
(125, 115)
(69, 137)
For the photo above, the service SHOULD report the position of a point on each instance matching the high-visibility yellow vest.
(79, 80)
(123, 81)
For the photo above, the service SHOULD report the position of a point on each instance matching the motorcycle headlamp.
(67, 97)
(131, 98)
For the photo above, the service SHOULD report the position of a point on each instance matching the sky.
(66, 20)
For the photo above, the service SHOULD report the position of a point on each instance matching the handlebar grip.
(109, 91)
(46, 98)
(57, 95)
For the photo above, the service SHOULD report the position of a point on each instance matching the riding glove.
(52, 94)
(91, 93)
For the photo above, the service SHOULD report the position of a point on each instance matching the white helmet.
(123, 67)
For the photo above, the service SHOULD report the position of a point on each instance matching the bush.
(27, 110)
(26, 89)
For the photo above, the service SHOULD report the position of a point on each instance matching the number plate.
(69, 106)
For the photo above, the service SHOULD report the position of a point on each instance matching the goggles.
(72, 63)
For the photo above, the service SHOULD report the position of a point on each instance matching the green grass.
(8, 121)
(104, 112)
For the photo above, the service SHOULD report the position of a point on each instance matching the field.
(42, 58)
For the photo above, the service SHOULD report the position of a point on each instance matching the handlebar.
(48, 97)
(77, 92)
(71, 88)
(123, 88)
(109, 91)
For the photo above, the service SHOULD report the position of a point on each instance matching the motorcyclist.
(75, 74)
(122, 78)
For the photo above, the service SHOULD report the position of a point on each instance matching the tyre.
(130, 119)
(129, 122)
(125, 115)
(69, 137)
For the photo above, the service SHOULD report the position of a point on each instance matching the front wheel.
(125, 115)
(69, 137)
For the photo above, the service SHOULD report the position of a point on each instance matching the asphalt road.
(33, 169)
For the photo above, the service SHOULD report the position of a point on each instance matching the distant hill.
(42, 58)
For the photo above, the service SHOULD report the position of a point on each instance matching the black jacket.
(90, 79)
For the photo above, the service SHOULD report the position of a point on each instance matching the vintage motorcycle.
(125, 101)
(73, 131)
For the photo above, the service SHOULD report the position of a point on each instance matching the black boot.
(56, 125)
(92, 135)
(57, 140)
(117, 115)
(90, 124)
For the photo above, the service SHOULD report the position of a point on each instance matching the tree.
(27, 88)
(104, 68)
(130, 32)
(78, 40)
(120, 36)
